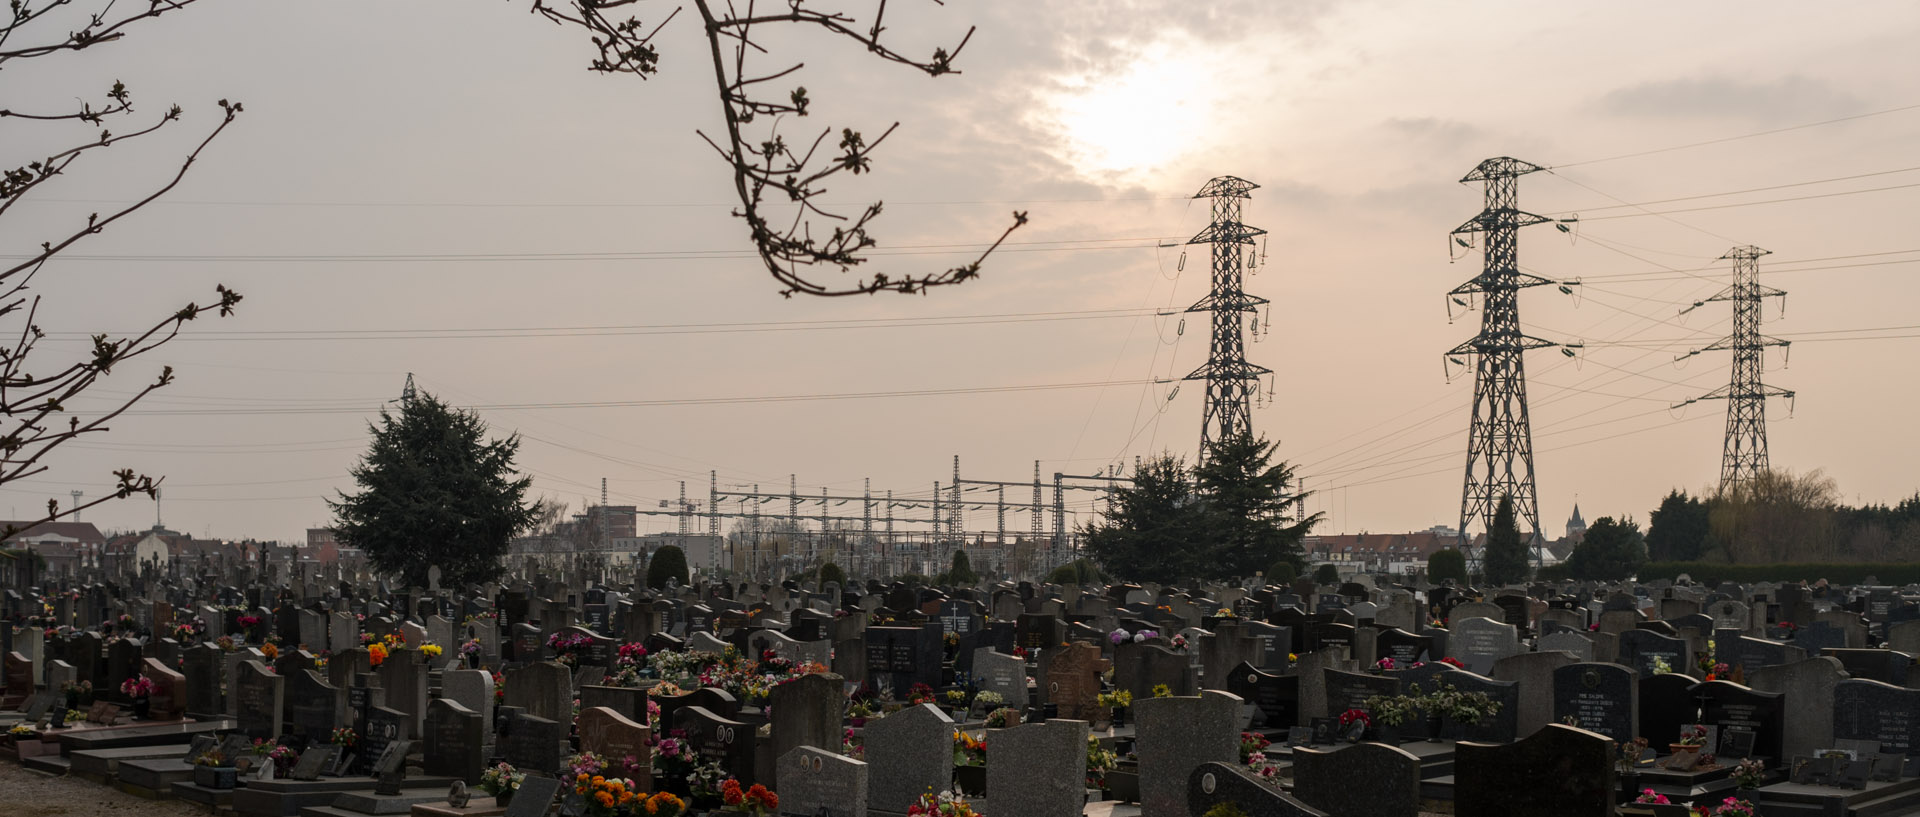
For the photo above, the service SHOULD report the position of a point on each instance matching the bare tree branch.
(770, 172)
(37, 411)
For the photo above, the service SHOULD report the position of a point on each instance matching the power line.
(1732, 192)
(690, 401)
(737, 327)
(1726, 139)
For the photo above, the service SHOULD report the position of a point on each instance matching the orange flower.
(606, 799)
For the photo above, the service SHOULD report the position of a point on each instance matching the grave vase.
(970, 780)
(1119, 716)
(1387, 734)
(1629, 786)
(141, 706)
(503, 797)
(1433, 728)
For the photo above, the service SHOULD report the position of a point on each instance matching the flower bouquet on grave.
(1732, 807)
(1354, 723)
(1162, 691)
(568, 647)
(945, 804)
(919, 694)
(470, 653)
(1099, 762)
(1749, 774)
(376, 653)
(1649, 797)
(605, 796)
(704, 782)
(1003, 718)
(1253, 757)
(756, 799)
(501, 781)
(344, 737)
(987, 700)
(673, 760)
(1390, 712)
(1628, 754)
(140, 689)
(430, 650)
(957, 702)
(968, 750)
(270, 650)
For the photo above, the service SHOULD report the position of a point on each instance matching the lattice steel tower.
(1744, 453)
(1231, 380)
(1500, 439)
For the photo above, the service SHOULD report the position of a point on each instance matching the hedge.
(1852, 573)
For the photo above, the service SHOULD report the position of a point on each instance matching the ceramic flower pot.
(972, 780)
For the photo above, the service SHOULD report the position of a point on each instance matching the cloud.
(1445, 134)
(1790, 97)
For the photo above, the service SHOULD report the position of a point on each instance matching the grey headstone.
(910, 751)
(818, 783)
(1043, 765)
(1362, 780)
(1175, 736)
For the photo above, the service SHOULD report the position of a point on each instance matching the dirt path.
(31, 794)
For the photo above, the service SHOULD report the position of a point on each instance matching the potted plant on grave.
(501, 781)
(1100, 761)
(1390, 713)
(1747, 776)
(957, 702)
(1686, 751)
(1005, 717)
(1449, 702)
(756, 799)
(470, 653)
(140, 689)
(987, 700)
(919, 694)
(858, 711)
(969, 763)
(212, 769)
(78, 693)
(1626, 760)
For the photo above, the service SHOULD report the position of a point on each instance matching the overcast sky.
(382, 137)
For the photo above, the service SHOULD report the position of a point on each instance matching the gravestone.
(1073, 681)
(1350, 690)
(1175, 735)
(1809, 689)
(1639, 649)
(318, 758)
(1042, 767)
(1479, 642)
(807, 711)
(1211, 784)
(910, 752)
(455, 741)
(165, 704)
(1138, 668)
(1002, 674)
(1275, 698)
(1603, 698)
(1559, 770)
(534, 743)
(1734, 708)
(818, 783)
(1666, 705)
(533, 798)
(1567, 641)
(1871, 710)
(259, 697)
(1362, 780)
(720, 740)
(542, 689)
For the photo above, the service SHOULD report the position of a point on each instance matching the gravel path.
(32, 794)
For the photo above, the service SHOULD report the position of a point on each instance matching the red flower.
(730, 792)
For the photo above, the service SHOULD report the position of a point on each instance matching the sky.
(441, 188)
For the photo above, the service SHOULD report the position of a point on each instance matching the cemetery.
(582, 692)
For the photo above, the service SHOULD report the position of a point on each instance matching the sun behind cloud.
(1134, 123)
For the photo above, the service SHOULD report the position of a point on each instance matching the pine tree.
(1249, 514)
(1505, 559)
(961, 573)
(1155, 531)
(433, 492)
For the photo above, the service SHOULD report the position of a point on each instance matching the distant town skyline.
(556, 250)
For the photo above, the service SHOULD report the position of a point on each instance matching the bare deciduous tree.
(766, 168)
(36, 391)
